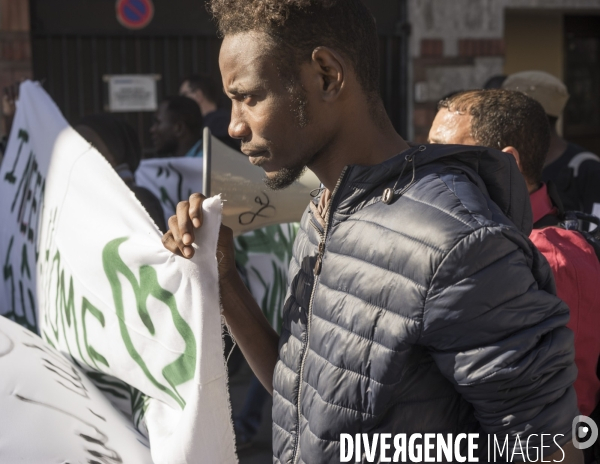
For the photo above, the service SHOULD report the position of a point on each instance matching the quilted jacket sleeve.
(497, 332)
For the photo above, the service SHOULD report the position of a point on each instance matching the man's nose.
(238, 127)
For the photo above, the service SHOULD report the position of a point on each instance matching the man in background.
(177, 128)
(574, 170)
(118, 142)
(207, 93)
(517, 125)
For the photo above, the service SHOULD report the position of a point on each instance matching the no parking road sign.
(135, 14)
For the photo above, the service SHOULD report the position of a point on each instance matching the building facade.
(429, 49)
(459, 44)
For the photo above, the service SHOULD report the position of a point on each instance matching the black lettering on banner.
(99, 416)
(266, 210)
(25, 315)
(165, 198)
(102, 454)
(7, 274)
(6, 344)
(71, 376)
(62, 370)
(10, 175)
(28, 196)
(26, 207)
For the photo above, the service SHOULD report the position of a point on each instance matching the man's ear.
(513, 151)
(331, 70)
(179, 128)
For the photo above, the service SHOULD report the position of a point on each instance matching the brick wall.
(15, 42)
(459, 44)
(480, 47)
(435, 77)
(456, 46)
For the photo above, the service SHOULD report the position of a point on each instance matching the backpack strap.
(580, 158)
(573, 221)
(549, 220)
(556, 219)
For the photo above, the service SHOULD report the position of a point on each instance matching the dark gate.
(582, 77)
(72, 67)
(77, 42)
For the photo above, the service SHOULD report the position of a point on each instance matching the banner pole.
(206, 157)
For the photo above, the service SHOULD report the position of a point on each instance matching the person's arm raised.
(251, 330)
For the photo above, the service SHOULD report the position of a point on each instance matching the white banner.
(51, 412)
(171, 180)
(109, 294)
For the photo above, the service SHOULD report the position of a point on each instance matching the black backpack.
(571, 220)
(575, 220)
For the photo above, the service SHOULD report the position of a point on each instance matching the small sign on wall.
(134, 14)
(132, 92)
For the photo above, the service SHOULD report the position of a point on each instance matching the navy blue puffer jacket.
(434, 313)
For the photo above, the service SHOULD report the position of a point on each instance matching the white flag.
(171, 180)
(108, 293)
(51, 412)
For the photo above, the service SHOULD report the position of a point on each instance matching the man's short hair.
(187, 111)
(207, 85)
(119, 137)
(297, 27)
(506, 118)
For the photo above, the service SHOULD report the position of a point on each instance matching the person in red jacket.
(517, 124)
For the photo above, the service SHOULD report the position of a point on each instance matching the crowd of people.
(449, 287)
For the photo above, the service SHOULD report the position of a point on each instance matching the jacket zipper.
(316, 273)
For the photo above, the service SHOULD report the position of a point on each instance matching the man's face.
(279, 124)
(451, 127)
(164, 132)
(186, 91)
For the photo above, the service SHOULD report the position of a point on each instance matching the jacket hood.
(496, 174)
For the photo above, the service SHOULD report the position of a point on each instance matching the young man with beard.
(416, 305)
(177, 128)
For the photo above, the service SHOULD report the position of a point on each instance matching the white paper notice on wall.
(131, 92)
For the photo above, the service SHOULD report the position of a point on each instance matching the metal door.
(76, 42)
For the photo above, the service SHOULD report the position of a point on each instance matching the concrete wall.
(534, 40)
(458, 44)
(453, 20)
